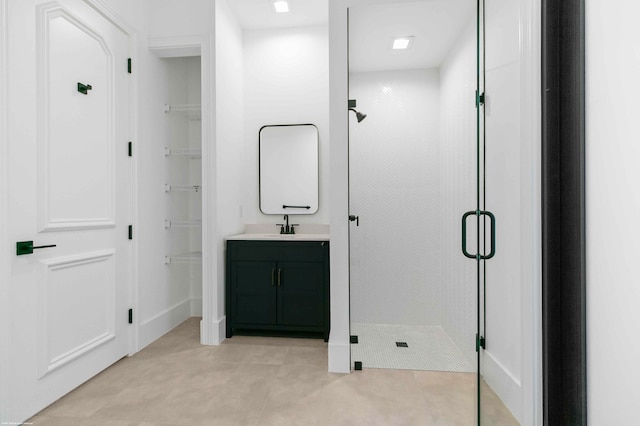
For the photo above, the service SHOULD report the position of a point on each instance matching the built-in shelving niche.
(183, 179)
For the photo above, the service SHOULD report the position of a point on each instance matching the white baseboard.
(339, 357)
(217, 332)
(502, 382)
(152, 329)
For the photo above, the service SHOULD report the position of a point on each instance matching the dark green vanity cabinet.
(277, 287)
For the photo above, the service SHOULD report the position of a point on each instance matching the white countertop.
(280, 237)
(271, 232)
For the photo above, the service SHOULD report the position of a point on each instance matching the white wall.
(612, 211)
(230, 154)
(395, 190)
(339, 346)
(285, 82)
(176, 18)
(458, 190)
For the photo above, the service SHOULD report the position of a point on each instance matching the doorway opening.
(174, 187)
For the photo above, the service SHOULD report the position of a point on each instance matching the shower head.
(359, 115)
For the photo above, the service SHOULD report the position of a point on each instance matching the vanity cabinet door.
(301, 287)
(253, 293)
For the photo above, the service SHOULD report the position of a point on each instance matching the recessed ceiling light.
(402, 43)
(281, 6)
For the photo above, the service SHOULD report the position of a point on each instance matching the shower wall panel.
(394, 181)
(508, 195)
(458, 189)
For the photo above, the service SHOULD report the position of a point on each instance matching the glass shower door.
(479, 231)
(413, 152)
(418, 160)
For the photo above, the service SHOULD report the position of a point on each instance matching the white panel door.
(70, 180)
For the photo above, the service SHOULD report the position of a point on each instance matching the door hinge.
(480, 343)
(130, 147)
(129, 65)
(130, 316)
(131, 232)
(479, 99)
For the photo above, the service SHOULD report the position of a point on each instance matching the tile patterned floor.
(261, 381)
(429, 348)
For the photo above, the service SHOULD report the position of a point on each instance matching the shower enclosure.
(411, 172)
(417, 188)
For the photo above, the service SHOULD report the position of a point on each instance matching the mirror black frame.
(297, 205)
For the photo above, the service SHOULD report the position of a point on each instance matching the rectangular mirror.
(289, 169)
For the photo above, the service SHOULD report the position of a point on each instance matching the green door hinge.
(130, 316)
(129, 65)
(479, 99)
(130, 149)
(131, 232)
(480, 342)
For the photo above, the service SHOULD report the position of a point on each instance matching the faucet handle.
(281, 225)
(292, 229)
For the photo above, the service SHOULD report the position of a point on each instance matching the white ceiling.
(260, 14)
(435, 24)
